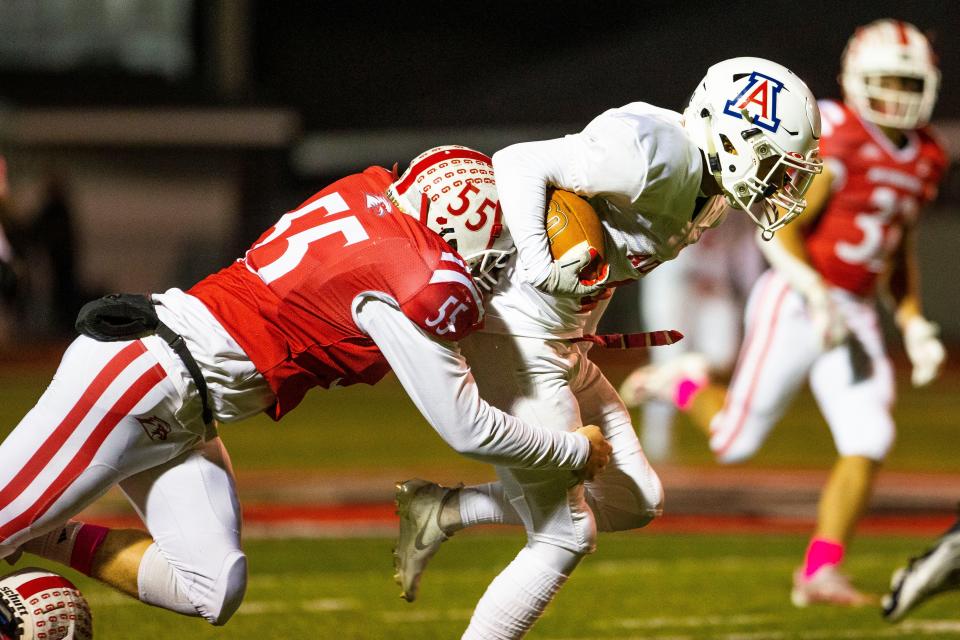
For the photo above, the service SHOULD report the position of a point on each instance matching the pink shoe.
(660, 381)
(827, 586)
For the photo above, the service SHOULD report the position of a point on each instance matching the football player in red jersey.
(812, 315)
(337, 292)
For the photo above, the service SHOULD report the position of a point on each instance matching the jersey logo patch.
(378, 205)
(155, 428)
(758, 100)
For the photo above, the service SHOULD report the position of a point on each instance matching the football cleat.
(662, 381)
(934, 572)
(826, 586)
(419, 503)
(36, 604)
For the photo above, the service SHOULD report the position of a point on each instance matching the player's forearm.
(441, 386)
(523, 172)
(905, 281)
(786, 254)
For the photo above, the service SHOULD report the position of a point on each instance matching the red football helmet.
(450, 190)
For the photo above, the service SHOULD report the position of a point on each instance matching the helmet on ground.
(450, 190)
(758, 126)
(37, 604)
(889, 74)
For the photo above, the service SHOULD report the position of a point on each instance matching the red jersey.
(289, 302)
(878, 191)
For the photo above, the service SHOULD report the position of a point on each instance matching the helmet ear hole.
(728, 146)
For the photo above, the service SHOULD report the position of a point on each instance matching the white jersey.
(639, 170)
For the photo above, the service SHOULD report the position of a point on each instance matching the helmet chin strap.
(713, 158)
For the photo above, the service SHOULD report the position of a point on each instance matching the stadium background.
(180, 129)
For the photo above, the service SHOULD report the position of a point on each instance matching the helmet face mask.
(451, 190)
(889, 75)
(774, 195)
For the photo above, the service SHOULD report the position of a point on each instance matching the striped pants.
(852, 383)
(113, 416)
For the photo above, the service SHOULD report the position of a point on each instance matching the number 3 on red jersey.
(291, 252)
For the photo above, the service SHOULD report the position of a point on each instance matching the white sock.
(517, 597)
(486, 504)
(56, 545)
(157, 584)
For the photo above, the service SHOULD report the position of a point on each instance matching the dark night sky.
(450, 63)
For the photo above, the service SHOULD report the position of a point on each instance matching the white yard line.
(908, 628)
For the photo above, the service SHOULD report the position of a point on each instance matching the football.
(573, 227)
(37, 604)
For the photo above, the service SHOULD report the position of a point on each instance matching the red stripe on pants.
(55, 440)
(755, 378)
(147, 381)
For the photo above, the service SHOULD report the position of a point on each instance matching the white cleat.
(419, 503)
(659, 381)
(934, 572)
(827, 586)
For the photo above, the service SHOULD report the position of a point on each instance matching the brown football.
(572, 228)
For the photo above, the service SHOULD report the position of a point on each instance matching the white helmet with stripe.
(758, 125)
(36, 604)
(451, 190)
(889, 74)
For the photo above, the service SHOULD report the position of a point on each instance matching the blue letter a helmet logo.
(759, 98)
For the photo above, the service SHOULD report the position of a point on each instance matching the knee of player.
(227, 591)
(875, 448)
(733, 450)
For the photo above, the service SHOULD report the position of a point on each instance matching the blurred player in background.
(701, 293)
(936, 571)
(337, 292)
(657, 180)
(813, 314)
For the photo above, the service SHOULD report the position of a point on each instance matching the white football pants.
(113, 416)
(553, 384)
(852, 383)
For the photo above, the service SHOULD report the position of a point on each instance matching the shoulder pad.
(449, 306)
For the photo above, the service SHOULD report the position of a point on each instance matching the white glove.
(924, 349)
(564, 279)
(827, 322)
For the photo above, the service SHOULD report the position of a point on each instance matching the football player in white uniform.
(657, 180)
(813, 315)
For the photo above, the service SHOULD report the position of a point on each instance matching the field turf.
(638, 585)
(664, 587)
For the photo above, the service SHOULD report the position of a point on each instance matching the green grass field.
(638, 585)
(674, 587)
(363, 428)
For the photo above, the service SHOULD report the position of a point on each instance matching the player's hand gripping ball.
(576, 243)
(40, 605)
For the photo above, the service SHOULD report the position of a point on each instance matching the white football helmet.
(885, 49)
(759, 127)
(450, 189)
(37, 604)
